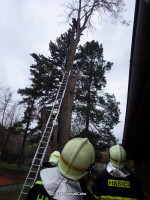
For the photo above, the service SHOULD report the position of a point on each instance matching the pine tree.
(96, 111)
(92, 104)
(82, 12)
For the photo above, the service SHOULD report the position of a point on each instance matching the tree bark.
(65, 114)
(64, 123)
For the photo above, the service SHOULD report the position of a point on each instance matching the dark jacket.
(108, 187)
(38, 192)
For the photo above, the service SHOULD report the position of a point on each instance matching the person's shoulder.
(39, 182)
(133, 177)
(102, 173)
(36, 185)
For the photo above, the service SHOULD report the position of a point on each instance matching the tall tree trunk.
(87, 122)
(64, 124)
(20, 159)
(5, 143)
(21, 155)
(65, 114)
(88, 104)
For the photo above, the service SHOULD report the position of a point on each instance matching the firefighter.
(116, 181)
(53, 160)
(74, 21)
(63, 182)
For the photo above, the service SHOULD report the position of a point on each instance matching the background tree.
(95, 112)
(6, 100)
(10, 113)
(26, 121)
(92, 105)
(46, 75)
(9, 108)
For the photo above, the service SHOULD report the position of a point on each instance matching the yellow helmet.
(54, 157)
(117, 156)
(76, 158)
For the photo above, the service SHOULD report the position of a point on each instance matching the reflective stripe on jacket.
(108, 187)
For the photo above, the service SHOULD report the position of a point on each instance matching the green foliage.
(9, 157)
(98, 141)
(45, 80)
(17, 128)
(46, 75)
(96, 111)
(13, 166)
(93, 138)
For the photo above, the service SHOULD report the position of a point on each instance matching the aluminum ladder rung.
(28, 185)
(44, 142)
(33, 171)
(24, 193)
(31, 178)
(45, 137)
(40, 153)
(35, 165)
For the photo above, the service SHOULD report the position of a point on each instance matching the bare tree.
(9, 109)
(82, 12)
(9, 114)
(5, 101)
(13, 114)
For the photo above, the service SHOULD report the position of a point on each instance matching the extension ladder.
(46, 136)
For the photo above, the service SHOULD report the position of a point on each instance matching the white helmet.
(117, 156)
(76, 158)
(54, 157)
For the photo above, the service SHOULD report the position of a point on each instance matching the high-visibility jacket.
(38, 192)
(108, 187)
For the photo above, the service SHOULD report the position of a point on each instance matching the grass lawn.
(13, 167)
(10, 195)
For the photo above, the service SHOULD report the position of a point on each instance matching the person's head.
(76, 159)
(54, 157)
(53, 160)
(117, 156)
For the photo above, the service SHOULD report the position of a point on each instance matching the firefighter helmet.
(54, 157)
(117, 156)
(76, 158)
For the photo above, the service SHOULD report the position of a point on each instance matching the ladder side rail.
(32, 167)
(54, 102)
(44, 153)
(49, 118)
(53, 125)
(59, 88)
(62, 98)
(57, 96)
(36, 153)
(25, 183)
(54, 122)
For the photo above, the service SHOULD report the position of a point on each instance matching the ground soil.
(11, 177)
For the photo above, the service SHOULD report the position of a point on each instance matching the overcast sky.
(28, 26)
